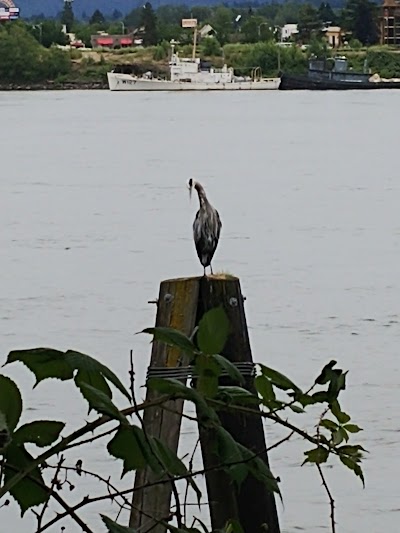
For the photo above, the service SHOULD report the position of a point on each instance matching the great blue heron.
(206, 226)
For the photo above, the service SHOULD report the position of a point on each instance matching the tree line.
(359, 18)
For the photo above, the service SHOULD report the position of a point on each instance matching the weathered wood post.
(181, 304)
(176, 308)
(256, 506)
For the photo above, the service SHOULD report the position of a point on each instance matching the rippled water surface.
(94, 213)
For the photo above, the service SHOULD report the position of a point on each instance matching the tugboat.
(323, 75)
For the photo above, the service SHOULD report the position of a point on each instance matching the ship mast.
(191, 23)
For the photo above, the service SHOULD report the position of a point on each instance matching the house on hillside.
(288, 31)
(206, 31)
(334, 36)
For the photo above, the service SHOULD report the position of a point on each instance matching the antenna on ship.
(191, 23)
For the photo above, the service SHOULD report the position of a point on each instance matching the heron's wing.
(219, 224)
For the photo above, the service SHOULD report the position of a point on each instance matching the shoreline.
(54, 86)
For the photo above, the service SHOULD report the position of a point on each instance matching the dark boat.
(332, 75)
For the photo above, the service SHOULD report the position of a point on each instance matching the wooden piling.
(181, 304)
(176, 308)
(255, 504)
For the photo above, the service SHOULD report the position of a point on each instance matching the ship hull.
(126, 82)
(291, 82)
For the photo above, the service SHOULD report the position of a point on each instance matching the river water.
(95, 213)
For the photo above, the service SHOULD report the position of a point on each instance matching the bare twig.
(331, 500)
(92, 439)
(53, 483)
(69, 511)
(190, 468)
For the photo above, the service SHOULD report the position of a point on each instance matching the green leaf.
(229, 367)
(233, 526)
(236, 395)
(353, 450)
(88, 367)
(317, 455)
(326, 373)
(40, 432)
(94, 379)
(258, 469)
(353, 465)
(227, 448)
(178, 389)
(43, 362)
(264, 388)
(213, 331)
(10, 403)
(26, 492)
(328, 424)
(296, 409)
(239, 473)
(337, 437)
(172, 464)
(278, 379)
(172, 337)
(48, 363)
(101, 403)
(352, 428)
(207, 370)
(130, 445)
(113, 527)
(342, 417)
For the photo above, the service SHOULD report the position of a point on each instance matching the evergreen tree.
(326, 14)
(309, 22)
(360, 18)
(97, 18)
(67, 15)
(149, 21)
(116, 15)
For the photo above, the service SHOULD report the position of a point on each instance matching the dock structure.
(181, 304)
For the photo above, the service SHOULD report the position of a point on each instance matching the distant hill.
(50, 8)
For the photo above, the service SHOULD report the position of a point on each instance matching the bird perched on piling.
(206, 226)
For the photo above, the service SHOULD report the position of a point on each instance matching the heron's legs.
(211, 269)
(204, 273)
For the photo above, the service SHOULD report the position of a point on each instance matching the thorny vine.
(209, 403)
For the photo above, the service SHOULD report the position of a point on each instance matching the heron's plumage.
(206, 228)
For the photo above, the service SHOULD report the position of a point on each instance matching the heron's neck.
(202, 194)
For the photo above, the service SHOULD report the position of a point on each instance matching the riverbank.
(55, 86)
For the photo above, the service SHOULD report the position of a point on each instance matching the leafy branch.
(273, 397)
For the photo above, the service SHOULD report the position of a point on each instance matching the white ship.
(192, 75)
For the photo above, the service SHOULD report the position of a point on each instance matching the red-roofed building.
(111, 41)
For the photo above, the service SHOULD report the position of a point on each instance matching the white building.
(288, 30)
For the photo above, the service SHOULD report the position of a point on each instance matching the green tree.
(116, 15)
(24, 60)
(149, 22)
(210, 46)
(222, 22)
(67, 15)
(360, 17)
(256, 29)
(49, 32)
(326, 14)
(308, 22)
(97, 18)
